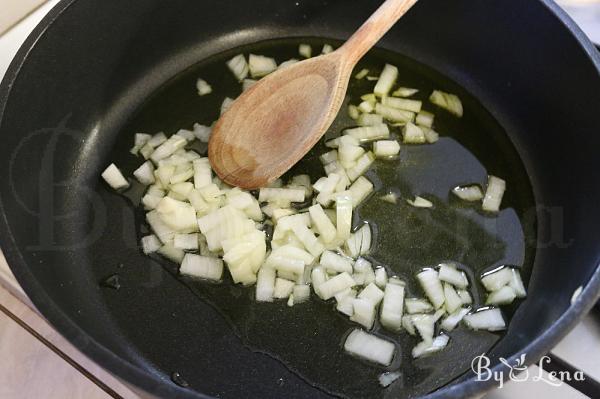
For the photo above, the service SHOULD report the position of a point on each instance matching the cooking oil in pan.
(307, 338)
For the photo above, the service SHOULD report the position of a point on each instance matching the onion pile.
(209, 227)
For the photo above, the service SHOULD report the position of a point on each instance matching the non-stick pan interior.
(98, 62)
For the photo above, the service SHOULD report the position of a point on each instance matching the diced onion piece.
(113, 176)
(327, 184)
(166, 149)
(202, 267)
(343, 208)
(369, 347)
(488, 319)
(363, 272)
(265, 284)
(465, 297)
(305, 50)
(327, 230)
(516, 283)
(283, 288)
(361, 74)
(447, 101)
(452, 320)
(392, 198)
(425, 325)
(202, 132)
(386, 81)
(140, 140)
(366, 107)
(504, 296)
(364, 312)
(404, 92)
(362, 165)
(493, 194)
(349, 151)
(188, 135)
(394, 114)
(407, 324)
(178, 215)
(453, 301)
(203, 87)
(381, 277)
(386, 379)
(170, 252)
(287, 63)
(416, 305)
(420, 202)
(226, 104)
(150, 244)
(432, 287)
(370, 97)
(353, 111)
(308, 239)
(261, 66)
(392, 307)
(146, 151)
(386, 148)
(182, 189)
(369, 133)
(452, 275)
(145, 173)
(413, 134)
(291, 252)
(157, 139)
(359, 243)
(426, 348)
(318, 278)
(335, 285)
(285, 264)
(497, 279)
(186, 241)
(372, 293)
(345, 300)
(327, 48)
(369, 120)
(239, 67)
(248, 83)
(281, 194)
(329, 157)
(301, 293)
(403, 104)
(163, 231)
(468, 193)
(335, 263)
(425, 119)
(431, 135)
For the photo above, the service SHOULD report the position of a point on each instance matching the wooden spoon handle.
(374, 28)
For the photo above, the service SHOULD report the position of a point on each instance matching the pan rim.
(134, 375)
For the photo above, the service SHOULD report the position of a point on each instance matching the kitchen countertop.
(38, 362)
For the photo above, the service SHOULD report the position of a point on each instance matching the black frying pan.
(88, 67)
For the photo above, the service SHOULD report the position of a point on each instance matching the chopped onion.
(305, 50)
(178, 215)
(186, 241)
(453, 301)
(203, 87)
(361, 166)
(372, 293)
(261, 66)
(487, 319)
(416, 305)
(386, 148)
(381, 277)
(449, 102)
(284, 264)
(496, 279)
(318, 278)
(335, 285)
(369, 120)
(386, 80)
(248, 83)
(413, 134)
(361, 74)
(327, 230)
(369, 347)
(424, 119)
(308, 239)
(150, 244)
(452, 275)
(327, 48)
(329, 157)
(369, 133)
(283, 288)
(404, 92)
(366, 107)
(451, 321)
(392, 198)
(420, 202)
(425, 325)
(504, 296)
(166, 149)
(202, 132)
(403, 104)
(226, 104)
(431, 135)
(145, 173)
(364, 312)
(392, 307)
(394, 114)
(345, 300)
(432, 286)
(335, 263)
(170, 252)
(360, 189)
(146, 151)
(465, 297)
(301, 293)
(113, 176)
(280, 194)
(140, 140)
(468, 193)
(164, 232)
(239, 67)
(426, 348)
(493, 194)
(516, 283)
(202, 267)
(353, 112)
(287, 63)
(265, 284)
(157, 140)
(386, 379)
(359, 243)
(343, 206)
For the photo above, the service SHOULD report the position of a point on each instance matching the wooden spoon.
(277, 121)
